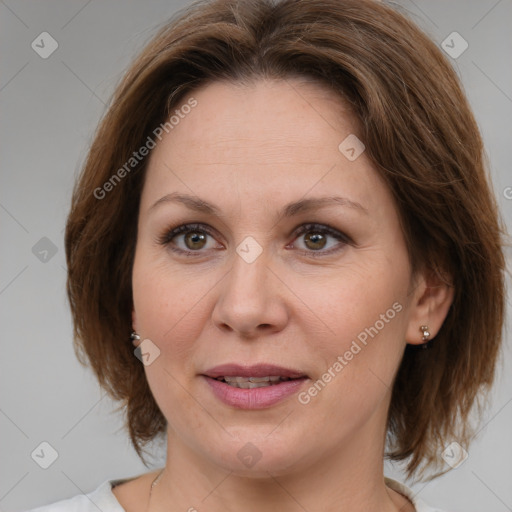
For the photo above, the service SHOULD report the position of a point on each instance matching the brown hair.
(421, 136)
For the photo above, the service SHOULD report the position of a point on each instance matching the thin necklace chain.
(155, 481)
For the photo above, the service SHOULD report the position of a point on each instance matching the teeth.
(250, 385)
(260, 379)
(252, 379)
(252, 382)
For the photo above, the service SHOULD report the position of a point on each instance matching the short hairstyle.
(420, 135)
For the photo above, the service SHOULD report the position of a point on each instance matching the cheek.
(346, 301)
(359, 331)
(170, 312)
(167, 301)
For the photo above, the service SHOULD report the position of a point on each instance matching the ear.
(135, 343)
(432, 298)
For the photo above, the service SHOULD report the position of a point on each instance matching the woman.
(273, 251)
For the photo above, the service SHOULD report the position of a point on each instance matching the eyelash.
(323, 229)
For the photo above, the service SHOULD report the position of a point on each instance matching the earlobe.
(135, 338)
(432, 300)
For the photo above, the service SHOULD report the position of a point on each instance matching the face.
(265, 247)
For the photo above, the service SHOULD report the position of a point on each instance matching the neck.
(350, 477)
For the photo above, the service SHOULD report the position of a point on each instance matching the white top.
(103, 499)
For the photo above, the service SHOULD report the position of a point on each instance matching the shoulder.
(419, 505)
(102, 498)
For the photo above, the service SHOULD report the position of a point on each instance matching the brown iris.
(316, 239)
(195, 240)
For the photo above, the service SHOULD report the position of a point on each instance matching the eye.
(195, 239)
(189, 238)
(320, 239)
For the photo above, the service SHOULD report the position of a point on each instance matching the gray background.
(50, 108)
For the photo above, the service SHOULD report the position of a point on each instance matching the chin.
(258, 456)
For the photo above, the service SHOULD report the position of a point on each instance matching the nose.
(251, 300)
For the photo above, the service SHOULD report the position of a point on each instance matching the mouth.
(253, 387)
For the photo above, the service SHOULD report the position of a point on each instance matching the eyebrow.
(302, 206)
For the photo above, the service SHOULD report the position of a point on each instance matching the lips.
(253, 371)
(253, 387)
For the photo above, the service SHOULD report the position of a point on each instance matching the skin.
(250, 150)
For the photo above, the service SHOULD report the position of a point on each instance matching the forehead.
(268, 140)
(289, 118)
